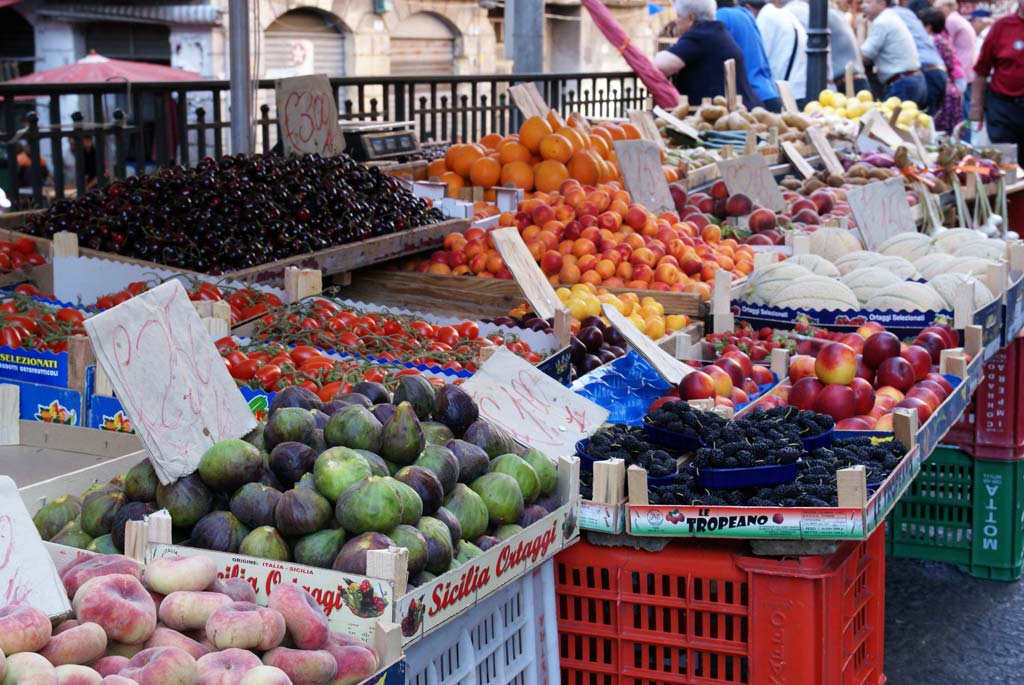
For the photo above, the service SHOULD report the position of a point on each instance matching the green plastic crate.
(963, 511)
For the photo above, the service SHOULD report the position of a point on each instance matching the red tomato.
(309, 385)
(105, 302)
(122, 296)
(226, 344)
(373, 375)
(468, 329)
(252, 312)
(268, 376)
(423, 328)
(327, 393)
(137, 288)
(447, 335)
(245, 369)
(68, 315)
(349, 339)
(35, 259)
(314, 364)
(392, 327)
(27, 289)
(25, 246)
(10, 336)
(5, 260)
(301, 353)
(235, 357)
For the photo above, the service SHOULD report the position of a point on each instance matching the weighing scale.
(369, 141)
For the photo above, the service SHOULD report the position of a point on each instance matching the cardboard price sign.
(677, 123)
(751, 176)
(640, 164)
(534, 408)
(667, 366)
(308, 116)
(27, 574)
(825, 150)
(799, 162)
(169, 377)
(881, 210)
(527, 274)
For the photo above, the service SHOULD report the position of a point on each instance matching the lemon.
(639, 322)
(582, 289)
(619, 305)
(650, 302)
(676, 322)
(829, 110)
(577, 307)
(893, 101)
(826, 97)
(563, 294)
(838, 100)
(812, 106)
(864, 96)
(924, 119)
(909, 104)
(592, 304)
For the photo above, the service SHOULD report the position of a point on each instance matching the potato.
(879, 174)
(810, 185)
(681, 111)
(713, 113)
(790, 183)
(857, 171)
(857, 181)
(835, 180)
(796, 121)
(719, 100)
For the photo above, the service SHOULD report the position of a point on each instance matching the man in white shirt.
(890, 46)
(785, 42)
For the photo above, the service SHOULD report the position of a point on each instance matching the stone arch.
(425, 43)
(292, 34)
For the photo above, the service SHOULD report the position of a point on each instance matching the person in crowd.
(24, 160)
(916, 6)
(932, 66)
(961, 34)
(950, 111)
(696, 62)
(743, 29)
(785, 42)
(1002, 59)
(841, 42)
(981, 21)
(891, 48)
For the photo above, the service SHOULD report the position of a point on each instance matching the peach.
(343, 640)
(355, 663)
(75, 576)
(109, 665)
(23, 629)
(171, 574)
(162, 666)
(165, 637)
(836, 364)
(82, 644)
(227, 667)
(236, 588)
(801, 366)
(304, 667)
(123, 650)
(120, 605)
(266, 675)
(305, 620)
(29, 668)
(76, 674)
(187, 610)
(116, 679)
(66, 625)
(246, 626)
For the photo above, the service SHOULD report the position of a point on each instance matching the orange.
(455, 182)
(556, 147)
(436, 168)
(491, 141)
(630, 131)
(575, 137)
(599, 145)
(485, 172)
(517, 173)
(615, 130)
(555, 119)
(512, 151)
(671, 175)
(460, 157)
(549, 174)
(532, 131)
(584, 168)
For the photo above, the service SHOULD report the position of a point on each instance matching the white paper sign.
(169, 377)
(533, 407)
(308, 116)
(27, 574)
(640, 164)
(881, 210)
(750, 175)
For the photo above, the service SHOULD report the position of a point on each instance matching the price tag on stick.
(751, 176)
(170, 378)
(797, 159)
(825, 150)
(667, 366)
(640, 164)
(27, 574)
(308, 116)
(881, 210)
(677, 123)
(533, 407)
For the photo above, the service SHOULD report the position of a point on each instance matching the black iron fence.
(119, 129)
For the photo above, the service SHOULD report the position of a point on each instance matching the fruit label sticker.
(169, 377)
(881, 211)
(308, 116)
(27, 574)
(534, 408)
(353, 603)
(640, 164)
(750, 175)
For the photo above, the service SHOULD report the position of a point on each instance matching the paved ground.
(942, 627)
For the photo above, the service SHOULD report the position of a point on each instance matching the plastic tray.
(814, 442)
(749, 477)
(587, 464)
(683, 442)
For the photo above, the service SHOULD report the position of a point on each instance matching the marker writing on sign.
(306, 121)
(534, 412)
(16, 589)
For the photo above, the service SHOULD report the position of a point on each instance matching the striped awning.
(147, 14)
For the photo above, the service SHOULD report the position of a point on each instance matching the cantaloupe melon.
(855, 260)
(949, 285)
(974, 266)
(819, 266)
(931, 265)
(898, 266)
(816, 292)
(865, 281)
(762, 284)
(990, 248)
(949, 240)
(908, 245)
(906, 296)
(832, 243)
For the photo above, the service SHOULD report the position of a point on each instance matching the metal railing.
(119, 129)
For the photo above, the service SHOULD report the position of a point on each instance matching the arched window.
(304, 41)
(134, 42)
(422, 45)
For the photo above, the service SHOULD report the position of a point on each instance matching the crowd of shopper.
(954, 67)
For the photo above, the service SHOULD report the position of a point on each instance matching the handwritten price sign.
(751, 176)
(170, 378)
(881, 210)
(534, 408)
(308, 116)
(640, 164)
(27, 575)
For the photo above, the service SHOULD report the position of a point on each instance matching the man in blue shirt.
(932, 66)
(743, 28)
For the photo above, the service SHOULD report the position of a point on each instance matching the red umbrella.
(665, 94)
(99, 69)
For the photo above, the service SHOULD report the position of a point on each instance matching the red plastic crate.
(993, 425)
(700, 613)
